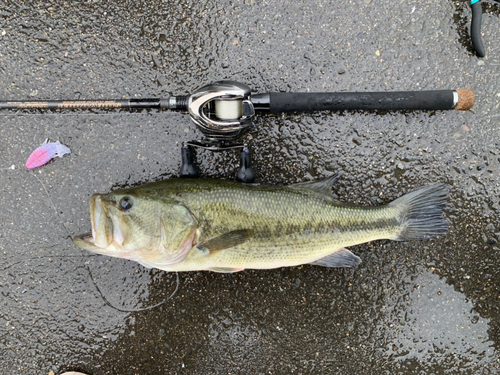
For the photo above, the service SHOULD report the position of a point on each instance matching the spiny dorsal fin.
(321, 187)
(226, 241)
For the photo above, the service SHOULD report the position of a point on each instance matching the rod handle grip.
(393, 100)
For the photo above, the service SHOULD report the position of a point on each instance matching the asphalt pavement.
(428, 307)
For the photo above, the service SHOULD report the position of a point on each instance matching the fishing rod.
(223, 110)
(475, 27)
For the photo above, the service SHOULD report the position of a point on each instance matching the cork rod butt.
(466, 99)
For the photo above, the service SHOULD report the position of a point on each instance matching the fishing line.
(50, 257)
(95, 284)
(124, 310)
(53, 206)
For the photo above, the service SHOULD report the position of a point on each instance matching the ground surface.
(409, 308)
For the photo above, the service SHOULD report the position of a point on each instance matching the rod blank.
(85, 104)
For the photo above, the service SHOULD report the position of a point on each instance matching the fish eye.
(125, 204)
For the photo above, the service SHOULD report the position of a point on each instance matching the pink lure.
(45, 153)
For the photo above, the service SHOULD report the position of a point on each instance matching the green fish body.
(225, 226)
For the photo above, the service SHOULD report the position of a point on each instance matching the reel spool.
(221, 110)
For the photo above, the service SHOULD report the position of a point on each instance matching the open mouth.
(85, 241)
(106, 237)
(95, 213)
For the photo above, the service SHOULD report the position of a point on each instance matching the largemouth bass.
(225, 226)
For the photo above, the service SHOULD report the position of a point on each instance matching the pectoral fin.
(226, 241)
(341, 258)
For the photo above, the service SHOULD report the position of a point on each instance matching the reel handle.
(245, 172)
(188, 168)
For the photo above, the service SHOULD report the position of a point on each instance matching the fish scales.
(285, 223)
(228, 226)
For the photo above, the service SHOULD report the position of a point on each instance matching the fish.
(227, 226)
(45, 153)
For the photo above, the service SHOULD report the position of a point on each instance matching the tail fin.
(422, 213)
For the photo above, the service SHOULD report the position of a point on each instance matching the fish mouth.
(95, 213)
(85, 241)
(97, 240)
(105, 237)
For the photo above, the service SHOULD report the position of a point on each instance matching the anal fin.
(225, 269)
(341, 258)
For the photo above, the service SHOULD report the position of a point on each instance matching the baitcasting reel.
(222, 111)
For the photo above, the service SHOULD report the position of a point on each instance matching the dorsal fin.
(322, 187)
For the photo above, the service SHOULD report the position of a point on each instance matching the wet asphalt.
(430, 307)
